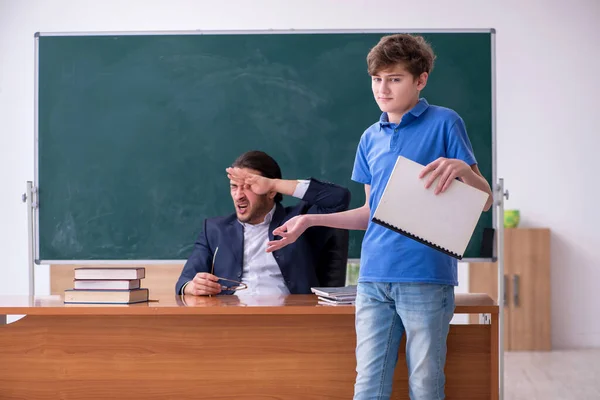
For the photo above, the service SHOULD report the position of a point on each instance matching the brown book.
(106, 296)
(96, 273)
(110, 284)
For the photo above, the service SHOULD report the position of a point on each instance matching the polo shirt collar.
(416, 112)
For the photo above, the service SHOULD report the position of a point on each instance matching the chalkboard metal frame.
(34, 237)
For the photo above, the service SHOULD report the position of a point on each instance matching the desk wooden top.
(216, 305)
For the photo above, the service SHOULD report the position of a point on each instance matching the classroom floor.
(556, 375)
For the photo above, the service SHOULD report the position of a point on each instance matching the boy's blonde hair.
(413, 52)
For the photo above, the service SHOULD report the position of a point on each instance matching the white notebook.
(445, 221)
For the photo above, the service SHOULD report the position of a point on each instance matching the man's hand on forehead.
(256, 183)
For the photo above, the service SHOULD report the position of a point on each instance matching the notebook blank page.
(447, 219)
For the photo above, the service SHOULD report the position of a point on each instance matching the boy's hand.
(447, 169)
(290, 231)
(258, 184)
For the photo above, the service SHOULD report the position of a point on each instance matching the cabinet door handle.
(504, 296)
(516, 283)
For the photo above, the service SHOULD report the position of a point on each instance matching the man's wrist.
(285, 187)
(275, 184)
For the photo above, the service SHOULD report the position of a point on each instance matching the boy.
(404, 286)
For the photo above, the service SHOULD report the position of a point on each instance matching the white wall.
(548, 90)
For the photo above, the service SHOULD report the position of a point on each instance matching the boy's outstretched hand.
(256, 183)
(289, 232)
(447, 169)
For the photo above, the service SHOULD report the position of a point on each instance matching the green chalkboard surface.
(135, 131)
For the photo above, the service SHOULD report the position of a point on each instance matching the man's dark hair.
(263, 163)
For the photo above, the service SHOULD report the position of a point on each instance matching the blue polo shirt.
(425, 133)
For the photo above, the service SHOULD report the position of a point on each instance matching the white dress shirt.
(260, 271)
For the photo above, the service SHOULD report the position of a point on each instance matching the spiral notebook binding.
(418, 239)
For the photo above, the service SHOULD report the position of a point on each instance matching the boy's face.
(396, 90)
(250, 207)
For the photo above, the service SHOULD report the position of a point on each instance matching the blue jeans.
(384, 311)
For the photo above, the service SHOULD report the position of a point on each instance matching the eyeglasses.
(237, 286)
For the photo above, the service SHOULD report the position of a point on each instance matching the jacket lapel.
(279, 255)
(236, 235)
(277, 219)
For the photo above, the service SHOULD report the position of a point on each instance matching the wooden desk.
(214, 348)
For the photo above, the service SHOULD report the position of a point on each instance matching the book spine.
(418, 239)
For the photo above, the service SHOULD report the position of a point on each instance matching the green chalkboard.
(135, 131)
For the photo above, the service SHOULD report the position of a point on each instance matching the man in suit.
(231, 252)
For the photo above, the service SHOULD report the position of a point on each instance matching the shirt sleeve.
(361, 172)
(458, 144)
(183, 288)
(301, 188)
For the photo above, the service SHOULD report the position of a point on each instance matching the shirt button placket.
(395, 142)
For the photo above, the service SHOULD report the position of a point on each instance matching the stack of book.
(335, 296)
(107, 286)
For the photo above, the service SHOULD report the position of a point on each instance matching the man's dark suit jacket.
(317, 258)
